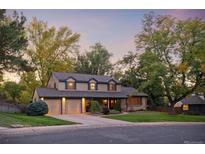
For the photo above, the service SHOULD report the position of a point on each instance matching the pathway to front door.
(90, 120)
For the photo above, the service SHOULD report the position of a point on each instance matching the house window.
(70, 85)
(92, 86)
(185, 107)
(112, 87)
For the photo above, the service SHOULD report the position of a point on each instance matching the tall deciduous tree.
(125, 70)
(12, 42)
(172, 61)
(50, 49)
(97, 61)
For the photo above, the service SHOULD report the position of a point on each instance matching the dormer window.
(70, 84)
(92, 85)
(112, 86)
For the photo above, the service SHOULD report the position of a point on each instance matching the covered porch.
(103, 102)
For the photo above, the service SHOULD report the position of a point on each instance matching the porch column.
(83, 110)
(108, 103)
(63, 105)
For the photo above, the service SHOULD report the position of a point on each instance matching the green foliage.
(50, 49)
(37, 108)
(20, 92)
(171, 40)
(172, 63)
(25, 97)
(117, 106)
(29, 81)
(95, 106)
(12, 91)
(8, 119)
(157, 117)
(97, 61)
(13, 41)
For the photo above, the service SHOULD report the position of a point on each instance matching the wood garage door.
(73, 106)
(54, 106)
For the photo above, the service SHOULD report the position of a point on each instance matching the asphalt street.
(142, 134)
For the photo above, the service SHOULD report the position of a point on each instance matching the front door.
(112, 103)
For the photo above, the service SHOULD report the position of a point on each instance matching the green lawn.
(7, 119)
(146, 116)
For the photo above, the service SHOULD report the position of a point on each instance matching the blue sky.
(115, 29)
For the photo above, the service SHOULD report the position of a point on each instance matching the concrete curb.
(11, 132)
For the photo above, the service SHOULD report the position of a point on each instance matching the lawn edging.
(147, 116)
(9, 119)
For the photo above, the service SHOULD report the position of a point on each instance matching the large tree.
(50, 49)
(96, 61)
(172, 62)
(125, 70)
(12, 42)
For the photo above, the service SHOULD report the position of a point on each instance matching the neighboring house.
(193, 104)
(70, 93)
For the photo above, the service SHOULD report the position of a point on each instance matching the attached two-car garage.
(63, 106)
(54, 106)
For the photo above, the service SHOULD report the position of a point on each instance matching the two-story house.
(71, 93)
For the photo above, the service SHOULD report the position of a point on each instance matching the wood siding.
(134, 101)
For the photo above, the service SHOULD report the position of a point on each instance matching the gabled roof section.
(193, 99)
(93, 79)
(70, 77)
(83, 77)
(113, 80)
(130, 91)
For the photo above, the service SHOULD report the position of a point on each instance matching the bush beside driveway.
(148, 116)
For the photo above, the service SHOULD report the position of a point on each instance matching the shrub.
(12, 90)
(114, 112)
(25, 97)
(105, 110)
(117, 106)
(37, 108)
(95, 106)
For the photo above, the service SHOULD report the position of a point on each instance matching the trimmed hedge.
(37, 108)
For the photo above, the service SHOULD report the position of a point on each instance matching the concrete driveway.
(90, 120)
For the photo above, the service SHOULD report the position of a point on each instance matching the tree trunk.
(171, 108)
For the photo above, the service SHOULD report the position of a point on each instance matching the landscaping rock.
(17, 126)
